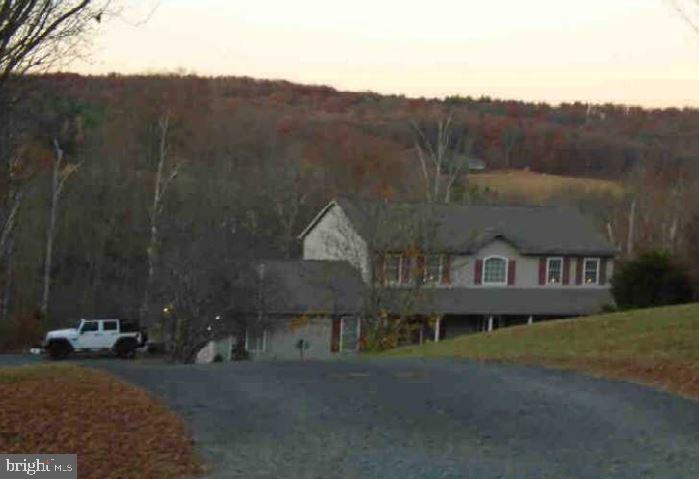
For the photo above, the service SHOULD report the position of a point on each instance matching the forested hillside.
(164, 184)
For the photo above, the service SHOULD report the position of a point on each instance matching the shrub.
(22, 331)
(239, 352)
(653, 279)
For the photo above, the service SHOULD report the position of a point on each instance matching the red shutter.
(579, 271)
(362, 334)
(511, 272)
(420, 270)
(446, 269)
(566, 270)
(405, 269)
(335, 336)
(478, 272)
(603, 271)
(379, 268)
(542, 270)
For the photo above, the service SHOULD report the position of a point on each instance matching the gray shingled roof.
(307, 286)
(465, 229)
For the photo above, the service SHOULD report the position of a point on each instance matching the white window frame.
(507, 271)
(440, 269)
(584, 271)
(548, 269)
(264, 341)
(400, 268)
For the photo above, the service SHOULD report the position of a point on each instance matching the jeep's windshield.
(76, 324)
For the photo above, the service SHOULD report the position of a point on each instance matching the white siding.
(334, 238)
(527, 268)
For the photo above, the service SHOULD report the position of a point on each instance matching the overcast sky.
(623, 51)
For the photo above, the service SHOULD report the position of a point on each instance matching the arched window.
(495, 270)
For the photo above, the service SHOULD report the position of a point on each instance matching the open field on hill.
(540, 186)
(657, 346)
(116, 429)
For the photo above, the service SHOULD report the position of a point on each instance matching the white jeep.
(119, 336)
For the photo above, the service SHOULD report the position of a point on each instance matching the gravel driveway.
(423, 419)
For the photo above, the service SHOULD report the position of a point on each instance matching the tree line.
(152, 196)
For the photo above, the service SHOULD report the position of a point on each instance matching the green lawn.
(658, 346)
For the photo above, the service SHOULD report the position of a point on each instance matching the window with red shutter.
(420, 273)
(591, 271)
(566, 270)
(495, 270)
(432, 269)
(362, 335)
(379, 265)
(554, 270)
(511, 272)
(579, 271)
(542, 271)
(405, 269)
(478, 272)
(446, 269)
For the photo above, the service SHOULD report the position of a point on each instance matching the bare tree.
(289, 194)
(15, 171)
(655, 212)
(683, 10)
(443, 158)
(389, 311)
(59, 175)
(202, 275)
(34, 35)
(166, 171)
(21, 172)
(38, 33)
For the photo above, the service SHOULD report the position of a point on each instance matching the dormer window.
(495, 270)
(591, 271)
(554, 270)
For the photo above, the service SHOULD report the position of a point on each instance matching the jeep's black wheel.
(58, 350)
(126, 349)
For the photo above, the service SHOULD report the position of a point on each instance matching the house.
(452, 269)
(297, 310)
(474, 268)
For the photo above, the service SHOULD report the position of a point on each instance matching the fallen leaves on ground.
(679, 377)
(116, 429)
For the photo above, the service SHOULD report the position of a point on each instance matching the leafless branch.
(38, 33)
(682, 12)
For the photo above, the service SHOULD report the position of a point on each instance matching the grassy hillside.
(540, 186)
(655, 346)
